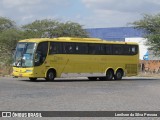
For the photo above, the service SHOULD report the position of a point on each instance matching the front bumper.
(23, 72)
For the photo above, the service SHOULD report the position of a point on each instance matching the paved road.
(129, 94)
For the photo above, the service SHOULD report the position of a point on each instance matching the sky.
(89, 13)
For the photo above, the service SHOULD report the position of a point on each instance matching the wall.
(150, 66)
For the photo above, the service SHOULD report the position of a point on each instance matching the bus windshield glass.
(24, 54)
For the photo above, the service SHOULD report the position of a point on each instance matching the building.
(116, 33)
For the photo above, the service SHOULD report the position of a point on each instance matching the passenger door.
(40, 61)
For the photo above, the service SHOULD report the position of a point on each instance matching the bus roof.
(71, 39)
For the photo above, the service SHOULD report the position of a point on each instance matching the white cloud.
(19, 3)
(25, 11)
(90, 13)
(107, 19)
(114, 13)
(140, 6)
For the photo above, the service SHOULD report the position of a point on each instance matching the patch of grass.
(5, 70)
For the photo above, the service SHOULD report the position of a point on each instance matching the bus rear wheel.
(118, 75)
(32, 79)
(109, 75)
(50, 75)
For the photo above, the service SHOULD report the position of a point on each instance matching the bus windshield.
(24, 54)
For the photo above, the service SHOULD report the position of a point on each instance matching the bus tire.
(50, 75)
(32, 79)
(92, 78)
(118, 75)
(109, 74)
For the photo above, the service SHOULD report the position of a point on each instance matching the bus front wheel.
(50, 75)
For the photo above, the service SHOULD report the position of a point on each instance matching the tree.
(39, 28)
(9, 35)
(69, 29)
(151, 25)
(52, 28)
(8, 42)
(6, 23)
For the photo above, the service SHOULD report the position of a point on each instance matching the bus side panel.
(81, 65)
(57, 62)
(129, 64)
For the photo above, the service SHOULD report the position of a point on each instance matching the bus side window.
(81, 48)
(117, 49)
(134, 50)
(103, 50)
(108, 49)
(94, 48)
(77, 49)
(69, 48)
(126, 49)
(55, 48)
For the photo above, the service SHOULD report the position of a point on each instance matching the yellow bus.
(93, 58)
